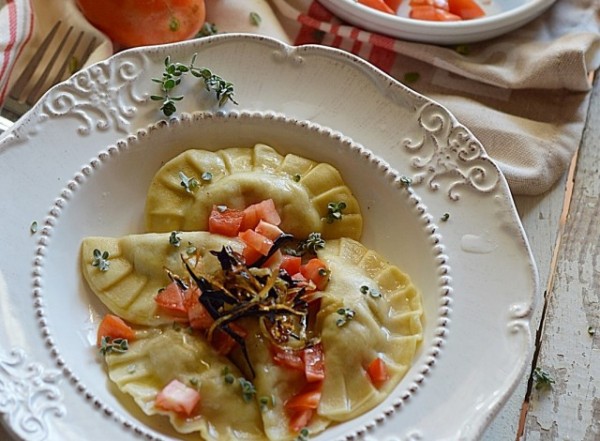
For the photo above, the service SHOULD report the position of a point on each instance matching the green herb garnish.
(364, 289)
(174, 238)
(266, 402)
(190, 184)
(297, 177)
(227, 375)
(347, 314)
(312, 243)
(334, 211)
(207, 29)
(117, 345)
(411, 77)
(405, 181)
(591, 330)
(248, 390)
(445, 217)
(206, 176)
(175, 72)
(542, 379)
(303, 435)
(255, 19)
(100, 260)
(33, 227)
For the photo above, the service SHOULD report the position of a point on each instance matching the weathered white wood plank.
(570, 410)
(540, 216)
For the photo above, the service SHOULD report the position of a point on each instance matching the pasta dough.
(238, 177)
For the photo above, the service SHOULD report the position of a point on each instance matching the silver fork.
(59, 56)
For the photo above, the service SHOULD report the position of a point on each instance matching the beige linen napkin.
(524, 95)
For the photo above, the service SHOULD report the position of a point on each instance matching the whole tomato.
(132, 23)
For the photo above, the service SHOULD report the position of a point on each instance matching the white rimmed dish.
(57, 165)
(502, 16)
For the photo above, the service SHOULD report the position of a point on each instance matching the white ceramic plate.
(79, 164)
(502, 16)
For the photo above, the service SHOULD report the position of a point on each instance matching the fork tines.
(58, 57)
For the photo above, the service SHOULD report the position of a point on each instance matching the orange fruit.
(131, 23)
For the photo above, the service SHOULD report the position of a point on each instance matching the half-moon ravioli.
(137, 266)
(369, 309)
(158, 356)
(302, 190)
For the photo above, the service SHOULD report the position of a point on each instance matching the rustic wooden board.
(570, 409)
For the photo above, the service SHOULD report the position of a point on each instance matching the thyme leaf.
(100, 260)
(190, 184)
(174, 238)
(346, 314)
(116, 345)
(542, 379)
(248, 390)
(334, 211)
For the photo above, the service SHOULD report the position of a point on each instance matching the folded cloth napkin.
(524, 95)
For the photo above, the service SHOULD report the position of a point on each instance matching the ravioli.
(301, 188)
(159, 355)
(386, 323)
(137, 272)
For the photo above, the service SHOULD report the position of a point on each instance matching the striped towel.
(16, 28)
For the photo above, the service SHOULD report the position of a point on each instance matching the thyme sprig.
(173, 75)
(334, 211)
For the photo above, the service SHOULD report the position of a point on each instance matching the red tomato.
(250, 255)
(114, 327)
(199, 316)
(223, 342)
(378, 372)
(308, 398)
(393, 4)
(316, 270)
(291, 264)
(143, 22)
(171, 299)
(466, 9)
(438, 4)
(432, 13)
(225, 221)
(268, 230)
(314, 363)
(380, 5)
(299, 419)
(257, 241)
(287, 358)
(178, 398)
(264, 210)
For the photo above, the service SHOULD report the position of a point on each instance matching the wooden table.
(564, 233)
(563, 229)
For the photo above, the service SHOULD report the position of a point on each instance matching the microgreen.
(174, 74)
(445, 217)
(207, 29)
(100, 260)
(227, 375)
(334, 211)
(364, 289)
(33, 227)
(303, 435)
(405, 181)
(591, 330)
(312, 243)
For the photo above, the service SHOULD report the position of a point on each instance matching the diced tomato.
(393, 4)
(171, 299)
(291, 264)
(268, 230)
(380, 5)
(114, 327)
(287, 358)
(274, 261)
(225, 221)
(223, 342)
(199, 317)
(250, 255)
(432, 13)
(439, 4)
(314, 363)
(264, 210)
(178, 397)
(316, 270)
(466, 9)
(299, 419)
(257, 241)
(378, 372)
(309, 397)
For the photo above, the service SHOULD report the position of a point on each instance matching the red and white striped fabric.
(16, 27)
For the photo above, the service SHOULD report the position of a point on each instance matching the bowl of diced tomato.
(439, 21)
